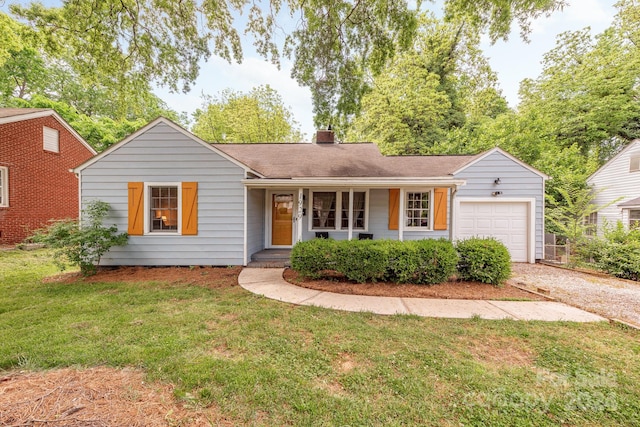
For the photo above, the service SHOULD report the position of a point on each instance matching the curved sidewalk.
(270, 283)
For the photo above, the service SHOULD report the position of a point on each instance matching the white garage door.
(506, 221)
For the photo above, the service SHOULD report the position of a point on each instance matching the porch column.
(299, 215)
(401, 216)
(350, 214)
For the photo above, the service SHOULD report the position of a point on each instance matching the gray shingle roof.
(11, 112)
(338, 160)
(630, 203)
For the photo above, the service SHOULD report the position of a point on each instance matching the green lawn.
(267, 363)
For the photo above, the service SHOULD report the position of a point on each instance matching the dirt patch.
(95, 397)
(499, 352)
(448, 290)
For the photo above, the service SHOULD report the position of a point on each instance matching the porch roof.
(331, 161)
(633, 203)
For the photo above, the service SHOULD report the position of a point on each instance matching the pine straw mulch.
(96, 397)
(453, 289)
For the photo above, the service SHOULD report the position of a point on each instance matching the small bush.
(312, 257)
(621, 260)
(483, 260)
(82, 244)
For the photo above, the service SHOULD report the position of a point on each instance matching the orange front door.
(281, 219)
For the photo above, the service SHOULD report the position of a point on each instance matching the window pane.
(324, 210)
(164, 208)
(417, 211)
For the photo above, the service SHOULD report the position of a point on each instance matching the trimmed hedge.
(485, 260)
(425, 261)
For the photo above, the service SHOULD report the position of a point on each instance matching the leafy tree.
(442, 83)
(82, 243)
(588, 91)
(336, 44)
(567, 213)
(257, 116)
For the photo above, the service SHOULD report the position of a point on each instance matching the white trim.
(245, 255)
(531, 232)
(346, 183)
(146, 206)
(45, 113)
(269, 219)
(482, 156)
(4, 190)
(174, 126)
(401, 215)
(404, 210)
(630, 146)
(299, 215)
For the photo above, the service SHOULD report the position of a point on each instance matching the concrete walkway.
(270, 283)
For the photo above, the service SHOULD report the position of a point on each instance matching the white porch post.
(350, 214)
(401, 216)
(299, 215)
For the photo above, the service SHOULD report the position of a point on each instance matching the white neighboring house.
(618, 178)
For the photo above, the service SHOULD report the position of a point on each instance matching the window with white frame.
(418, 209)
(331, 210)
(591, 221)
(51, 139)
(163, 208)
(4, 186)
(634, 218)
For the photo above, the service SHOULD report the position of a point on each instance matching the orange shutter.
(136, 207)
(440, 208)
(394, 202)
(189, 208)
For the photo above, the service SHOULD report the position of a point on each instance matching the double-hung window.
(331, 210)
(162, 208)
(634, 218)
(418, 209)
(4, 186)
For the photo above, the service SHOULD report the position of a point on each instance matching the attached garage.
(506, 220)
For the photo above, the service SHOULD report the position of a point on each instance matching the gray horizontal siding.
(516, 181)
(255, 221)
(164, 155)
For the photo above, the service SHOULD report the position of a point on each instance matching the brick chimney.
(325, 136)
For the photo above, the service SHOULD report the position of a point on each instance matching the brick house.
(37, 150)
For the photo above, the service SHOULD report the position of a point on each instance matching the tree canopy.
(257, 116)
(336, 45)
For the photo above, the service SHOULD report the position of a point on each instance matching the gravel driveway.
(609, 297)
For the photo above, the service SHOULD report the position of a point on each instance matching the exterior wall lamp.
(497, 181)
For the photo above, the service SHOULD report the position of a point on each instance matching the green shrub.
(82, 244)
(426, 261)
(361, 260)
(621, 260)
(313, 257)
(485, 260)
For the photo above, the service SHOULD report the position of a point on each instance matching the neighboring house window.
(4, 186)
(634, 218)
(634, 163)
(591, 221)
(330, 210)
(163, 208)
(418, 207)
(51, 139)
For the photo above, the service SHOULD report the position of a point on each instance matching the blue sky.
(513, 60)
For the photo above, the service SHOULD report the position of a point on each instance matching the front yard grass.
(262, 362)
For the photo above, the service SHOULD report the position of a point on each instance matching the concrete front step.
(269, 264)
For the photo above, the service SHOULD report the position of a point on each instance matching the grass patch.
(267, 363)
